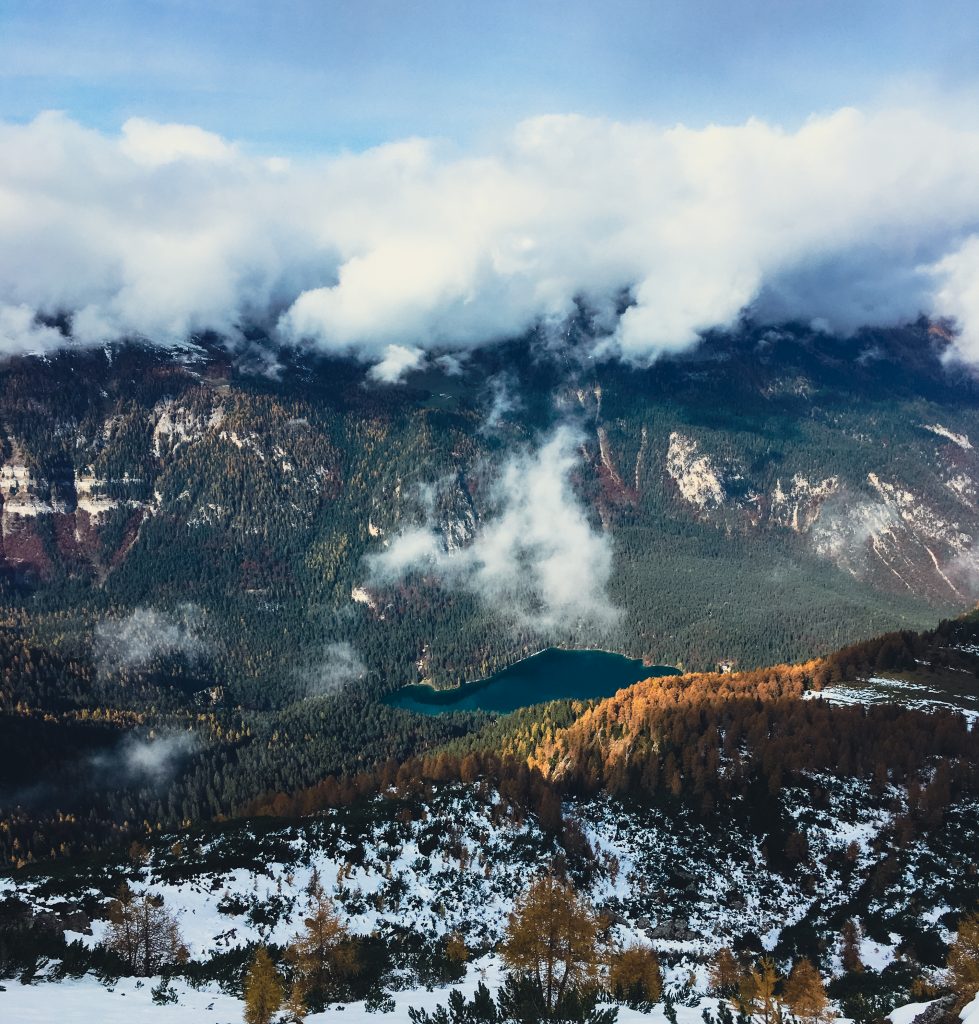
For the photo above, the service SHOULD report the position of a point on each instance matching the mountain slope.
(193, 600)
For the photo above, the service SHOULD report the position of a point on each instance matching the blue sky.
(296, 77)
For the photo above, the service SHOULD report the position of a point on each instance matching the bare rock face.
(940, 1011)
(175, 424)
(697, 478)
(961, 440)
(890, 533)
(674, 931)
(915, 539)
(90, 495)
(456, 515)
(796, 505)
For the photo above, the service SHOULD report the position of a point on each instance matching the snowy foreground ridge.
(86, 1001)
(457, 865)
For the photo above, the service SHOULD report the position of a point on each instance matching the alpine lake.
(552, 674)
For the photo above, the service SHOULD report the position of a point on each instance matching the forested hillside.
(214, 568)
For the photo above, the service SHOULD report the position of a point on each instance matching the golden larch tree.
(634, 974)
(552, 937)
(263, 989)
(143, 932)
(295, 1007)
(805, 995)
(725, 972)
(850, 952)
(963, 961)
(756, 993)
(322, 954)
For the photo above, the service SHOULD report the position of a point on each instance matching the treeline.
(953, 644)
(702, 739)
(710, 736)
(73, 783)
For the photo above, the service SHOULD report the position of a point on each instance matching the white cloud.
(536, 559)
(503, 400)
(157, 756)
(396, 362)
(21, 333)
(453, 364)
(167, 229)
(958, 293)
(154, 144)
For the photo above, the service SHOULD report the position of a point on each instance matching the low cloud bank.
(153, 758)
(535, 559)
(145, 634)
(164, 230)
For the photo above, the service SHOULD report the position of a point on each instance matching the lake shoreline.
(527, 657)
(552, 673)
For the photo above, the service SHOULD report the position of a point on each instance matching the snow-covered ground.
(86, 1001)
(666, 879)
(907, 1013)
(457, 861)
(917, 696)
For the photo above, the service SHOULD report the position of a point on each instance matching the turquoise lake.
(553, 674)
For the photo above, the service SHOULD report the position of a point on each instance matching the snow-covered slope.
(457, 858)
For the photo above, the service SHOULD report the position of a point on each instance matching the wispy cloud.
(396, 361)
(153, 758)
(145, 634)
(535, 558)
(503, 400)
(337, 667)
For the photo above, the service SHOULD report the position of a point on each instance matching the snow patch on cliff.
(961, 440)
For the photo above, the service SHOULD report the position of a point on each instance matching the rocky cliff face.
(699, 480)
(869, 526)
(789, 448)
(205, 457)
(797, 504)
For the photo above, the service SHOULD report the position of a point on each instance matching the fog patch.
(503, 400)
(534, 558)
(847, 527)
(338, 667)
(146, 634)
(963, 572)
(153, 758)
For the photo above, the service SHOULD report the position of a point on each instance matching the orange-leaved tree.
(552, 937)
